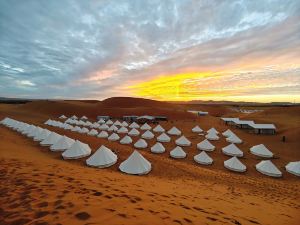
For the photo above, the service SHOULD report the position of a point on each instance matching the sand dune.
(38, 187)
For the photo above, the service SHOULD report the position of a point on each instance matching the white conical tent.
(183, 141)
(178, 153)
(109, 122)
(104, 127)
(102, 134)
(158, 129)
(62, 144)
(95, 125)
(148, 135)
(158, 148)
(113, 128)
(76, 129)
(93, 132)
(113, 137)
(261, 151)
(122, 130)
(228, 133)
(83, 118)
(293, 168)
(35, 132)
(205, 145)
(48, 122)
(135, 164)
(235, 164)
(43, 135)
(126, 140)
(163, 138)
(101, 121)
(124, 124)
(234, 139)
(212, 130)
(74, 117)
(29, 130)
(145, 126)
(77, 150)
(212, 136)
(266, 167)
(102, 158)
(51, 139)
(197, 129)
(81, 122)
(84, 130)
(141, 143)
(134, 125)
(133, 132)
(88, 123)
(203, 158)
(232, 150)
(117, 123)
(62, 117)
(174, 131)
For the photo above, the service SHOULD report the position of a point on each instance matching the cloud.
(100, 48)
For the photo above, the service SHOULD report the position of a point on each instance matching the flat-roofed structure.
(264, 128)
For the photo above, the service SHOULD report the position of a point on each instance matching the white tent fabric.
(117, 123)
(92, 132)
(235, 164)
(104, 127)
(109, 122)
(126, 140)
(84, 130)
(77, 150)
(135, 164)
(51, 139)
(133, 132)
(145, 126)
(261, 151)
(266, 167)
(174, 131)
(74, 117)
(62, 144)
(197, 129)
(134, 125)
(212, 136)
(293, 168)
(102, 158)
(228, 133)
(234, 139)
(141, 143)
(81, 122)
(88, 123)
(113, 137)
(29, 130)
(183, 141)
(83, 118)
(232, 150)
(205, 145)
(148, 135)
(124, 124)
(158, 148)
(212, 130)
(101, 121)
(62, 117)
(102, 134)
(122, 130)
(35, 132)
(203, 158)
(113, 128)
(163, 138)
(158, 129)
(178, 153)
(95, 125)
(43, 135)
(76, 129)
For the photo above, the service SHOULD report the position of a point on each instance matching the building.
(105, 118)
(263, 128)
(244, 124)
(130, 118)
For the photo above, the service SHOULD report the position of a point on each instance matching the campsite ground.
(38, 187)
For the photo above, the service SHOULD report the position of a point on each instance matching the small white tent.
(83, 118)
(84, 130)
(228, 133)
(134, 125)
(62, 117)
(122, 130)
(113, 137)
(266, 167)
(261, 151)
(77, 150)
(163, 138)
(293, 168)
(148, 135)
(109, 122)
(145, 126)
(178, 153)
(235, 165)
(234, 139)
(124, 124)
(203, 158)
(101, 121)
(51, 139)
(158, 129)
(141, 143)
(232, 150)
(62, 144)
(158, 148)
(43, 135)
(133, 132)
(112, 128)
(117, 123)
(212, 136)
(103, 127)
(212, 130)
(102, 158)
(102, 134)
(135, 164)
(92, 132)
(95, 125)
(174, 131)
(205, 145)
(197, 129)
(126, 140)
(183, 141)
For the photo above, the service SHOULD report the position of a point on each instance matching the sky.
(172, 50)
